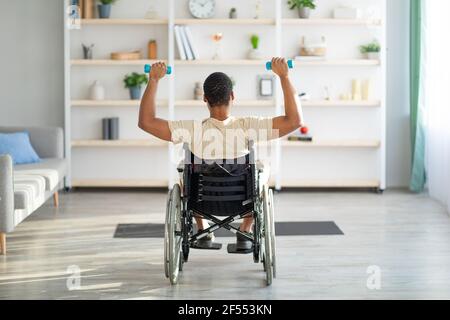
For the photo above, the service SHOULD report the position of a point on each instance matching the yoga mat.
(150, 230)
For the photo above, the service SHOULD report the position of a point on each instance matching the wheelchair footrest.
(206, 245)
(231, 248)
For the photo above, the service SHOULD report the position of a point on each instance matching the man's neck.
(221, 113)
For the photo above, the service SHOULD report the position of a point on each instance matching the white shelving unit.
(348, 150)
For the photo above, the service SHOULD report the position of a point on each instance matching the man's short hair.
(217, 88)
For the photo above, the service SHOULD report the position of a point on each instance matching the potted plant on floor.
(254, 53)
(134, 83)
(371, 50)
(304, 7)
(104, 8)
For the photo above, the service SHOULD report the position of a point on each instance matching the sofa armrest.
(6, 194)
(47, 141)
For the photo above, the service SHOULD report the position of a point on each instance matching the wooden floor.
(406, 236)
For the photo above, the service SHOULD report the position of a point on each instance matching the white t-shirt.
(213, 139)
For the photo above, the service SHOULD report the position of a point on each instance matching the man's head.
(218, 89)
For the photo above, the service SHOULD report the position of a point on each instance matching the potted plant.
(254, 53)
(371, 50)
(134, 83)
(304, 7)
(104, 8)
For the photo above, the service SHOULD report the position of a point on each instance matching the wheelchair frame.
(179, 230)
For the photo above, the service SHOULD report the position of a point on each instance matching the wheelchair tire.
(174, 234)
(267, 227)
(256, 239)
(273, 242)
(166, 238)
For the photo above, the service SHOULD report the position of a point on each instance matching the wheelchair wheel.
(173, 234)
(166, 238)
(273, 242)
(267, 238)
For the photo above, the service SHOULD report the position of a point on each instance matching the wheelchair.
(221, 194)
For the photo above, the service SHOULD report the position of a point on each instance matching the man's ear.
(204, 99)
(232, 95)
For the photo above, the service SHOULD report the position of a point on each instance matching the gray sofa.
(24, 188)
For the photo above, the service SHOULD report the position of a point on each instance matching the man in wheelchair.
(219, 139)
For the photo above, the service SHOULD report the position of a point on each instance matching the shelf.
(340, 103)
(332, 144)
(262, 63)
(226, 21)
(313, 22)
(119, 183)
(111, 103)
(333, 22)
(237, 62)
(121, 22)
(118, 143)
(330, 183)
(109, 62)
(240, 103)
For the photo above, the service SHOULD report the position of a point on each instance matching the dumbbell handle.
(148, 68)
(289, 62)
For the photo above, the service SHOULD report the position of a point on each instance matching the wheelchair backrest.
(220, 187)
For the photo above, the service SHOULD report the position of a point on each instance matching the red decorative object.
(304, 130)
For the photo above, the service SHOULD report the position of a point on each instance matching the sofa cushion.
(29, 192)
(19, 147)
(53, 170)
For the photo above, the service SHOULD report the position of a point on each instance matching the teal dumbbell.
(289, 62)
(148, 68)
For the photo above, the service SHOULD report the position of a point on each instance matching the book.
(186, 46)
(179, 41)
(191, 42)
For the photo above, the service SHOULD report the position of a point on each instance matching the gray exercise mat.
(150, 230)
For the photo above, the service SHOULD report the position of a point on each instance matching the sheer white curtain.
(435, 97)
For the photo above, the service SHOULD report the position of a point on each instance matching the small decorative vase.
(198, 91)
(135, 93)
(304, 13)
(233, 14)
(104, 11)
(254, 54)
(373, 55)
(97, 91)
(88, 51)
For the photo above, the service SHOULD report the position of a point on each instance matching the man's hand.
(158, 71)
(280, 67)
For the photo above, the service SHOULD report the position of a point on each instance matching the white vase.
(373, 55)
(97, 91)
(254, 54)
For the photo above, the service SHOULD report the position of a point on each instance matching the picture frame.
(266, 87)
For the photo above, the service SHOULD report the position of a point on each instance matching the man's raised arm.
(147, 119)
(293, 117)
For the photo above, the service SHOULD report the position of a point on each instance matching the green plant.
(371, 47)
(135, 80)
(105, 2)
(302, 4)
(255, 41)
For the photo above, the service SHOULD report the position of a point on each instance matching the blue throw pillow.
(19, 147)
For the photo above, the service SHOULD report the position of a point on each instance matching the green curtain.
(418, 175)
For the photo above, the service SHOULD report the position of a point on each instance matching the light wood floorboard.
(407, 236)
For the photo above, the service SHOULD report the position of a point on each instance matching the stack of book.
(185, 45)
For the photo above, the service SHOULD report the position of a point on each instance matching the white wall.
(31, 63)
(31, 86)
